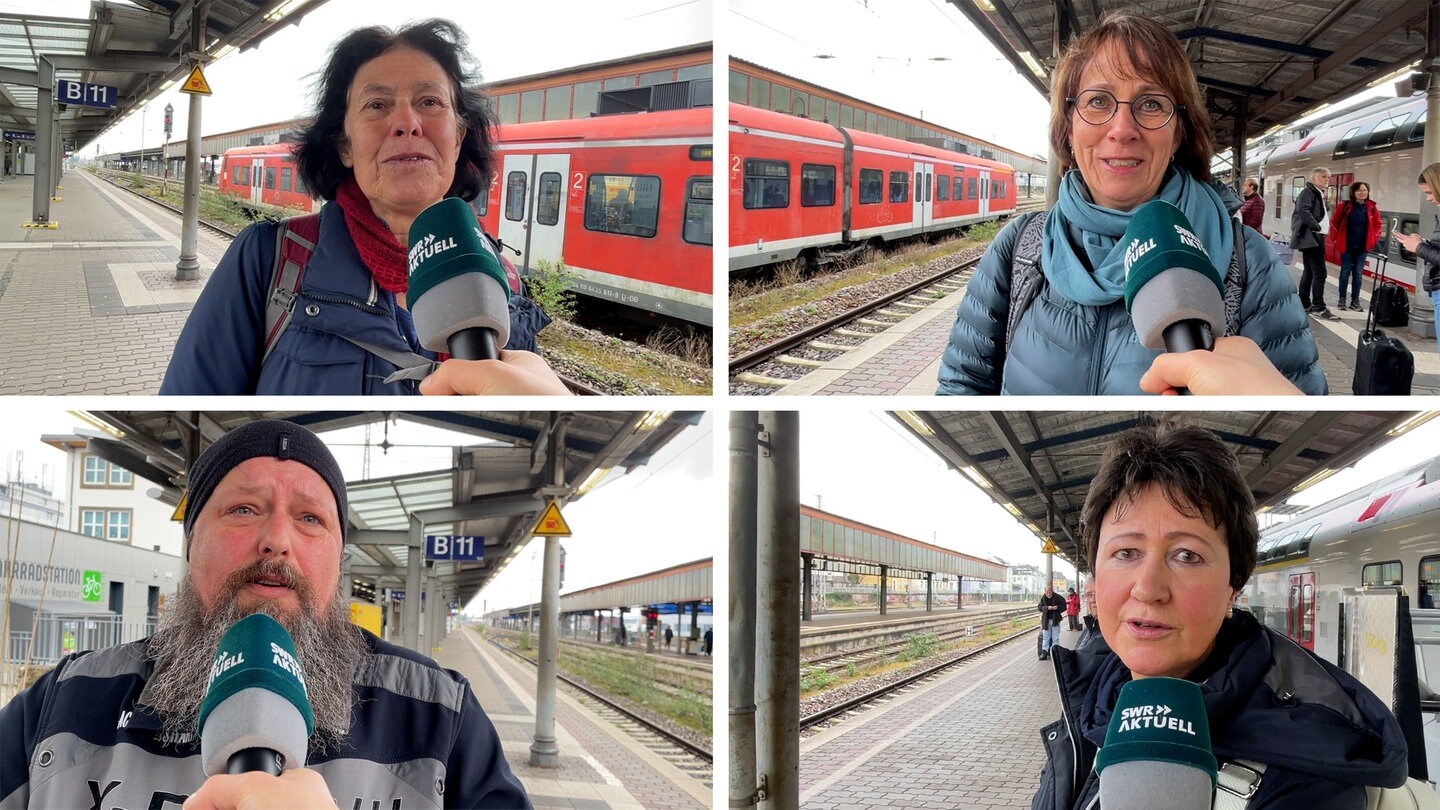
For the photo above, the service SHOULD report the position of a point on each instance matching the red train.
(807, 189)
(624, 200)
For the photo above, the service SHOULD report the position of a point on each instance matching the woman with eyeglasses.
(1128, 125)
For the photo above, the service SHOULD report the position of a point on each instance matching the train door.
(257, 173)
(1300, 610)
(533, 203)
(984, 192)
(923, 207)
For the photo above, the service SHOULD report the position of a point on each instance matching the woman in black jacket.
(1169, 532)
(1428, 249)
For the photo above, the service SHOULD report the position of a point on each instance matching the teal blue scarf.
(1097, 230)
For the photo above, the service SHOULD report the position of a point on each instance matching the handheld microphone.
(1172, 290)
(1157, 752)
(457, 292)
(255, 681)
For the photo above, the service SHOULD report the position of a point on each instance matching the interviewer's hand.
(1236, 366)
(514, 374)
(295, 789)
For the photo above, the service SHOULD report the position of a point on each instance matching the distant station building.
(758, 86)
(103, 500)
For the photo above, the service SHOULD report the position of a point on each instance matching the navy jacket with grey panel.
(81, 737)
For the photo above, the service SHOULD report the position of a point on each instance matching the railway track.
(575, 386)
(653, 736)
(861, 657)
(850, 704)
(876, 313)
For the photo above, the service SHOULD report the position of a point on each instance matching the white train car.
(1385, 535)
(1379, 144)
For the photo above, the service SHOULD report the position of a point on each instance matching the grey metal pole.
(45, 126)
(432, 613)
(189, 265)
(884, 588)
(777, 665)
(807, 588)
(411, 612)
(744, 426)
(929, 591)
(544, 752)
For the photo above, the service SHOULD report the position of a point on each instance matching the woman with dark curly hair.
(398, 127)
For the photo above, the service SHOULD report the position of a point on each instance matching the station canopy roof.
(1038, 464)
(141, 48)
(1282, 57)
(493, 489)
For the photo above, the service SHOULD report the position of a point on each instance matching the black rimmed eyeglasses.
(1150, 110)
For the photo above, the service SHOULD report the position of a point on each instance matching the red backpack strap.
(294, 245)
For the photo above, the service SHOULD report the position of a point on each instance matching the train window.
(899, 187)
(515, 185)
(287, 178)
(974, 188)
(942, 187)
(872, 186)
(242, 175)
(817, 185)
(1347, 143)
(626, 204)
(1384, 133)
(1417, 132)
(1429, 582)
(270, 177)
(919, 187)
(959, 190)
(481, 203)
(1297, 185)
(255, 177)
(300, 185)
(1386, 573)
(547, 204)
(699, 218)
(767, 183)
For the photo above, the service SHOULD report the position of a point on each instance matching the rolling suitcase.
(1383, 365)
(1389, 302)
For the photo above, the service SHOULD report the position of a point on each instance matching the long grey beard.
(184, 647)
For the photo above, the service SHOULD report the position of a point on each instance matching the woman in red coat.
(1354, 228)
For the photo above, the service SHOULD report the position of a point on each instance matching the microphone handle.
(1188, 336)
(249, 760)
(475, 343)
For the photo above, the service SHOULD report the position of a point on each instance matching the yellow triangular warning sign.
(551, 523)
(1049, 547)
(196, 82)
(179, 514)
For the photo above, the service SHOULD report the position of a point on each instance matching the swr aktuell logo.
(1158, 716)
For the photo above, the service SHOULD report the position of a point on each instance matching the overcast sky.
(630, 524)
(869, 468)
(272, 82)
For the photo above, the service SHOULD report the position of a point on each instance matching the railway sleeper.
(760, 379)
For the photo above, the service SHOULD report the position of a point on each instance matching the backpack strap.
(1235, 277)
(1025, 276)
(1236, 783)
(294, 245)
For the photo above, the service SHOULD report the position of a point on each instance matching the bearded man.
(265, 524)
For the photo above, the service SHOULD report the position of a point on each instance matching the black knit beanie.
(267, 437)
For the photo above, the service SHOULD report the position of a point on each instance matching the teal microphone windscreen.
(1169, 276)
(1157, 752)
(456, 281)
(255, 697)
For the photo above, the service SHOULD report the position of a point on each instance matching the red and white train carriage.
(807, 189)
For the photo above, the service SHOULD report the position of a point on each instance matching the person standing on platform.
(1045, 312)
(1092, 625)
(1252, 211)
(1428, 249)
(1072, 609)
(709, 640)
(669, 635)
(1169, 534)
(1051, 607)
(1308, 226)
(1354, 229)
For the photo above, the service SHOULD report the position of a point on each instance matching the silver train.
(1384, 535)
(1380, 144)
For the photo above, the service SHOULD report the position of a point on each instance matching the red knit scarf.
(372, 237)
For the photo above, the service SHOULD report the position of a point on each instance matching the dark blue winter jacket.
(1322, 736)
(82, 736)
(221, 346)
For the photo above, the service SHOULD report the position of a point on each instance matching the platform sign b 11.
(454, 547)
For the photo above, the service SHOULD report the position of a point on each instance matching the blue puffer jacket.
(1061, 347)
(220, 348)
(1321, 734)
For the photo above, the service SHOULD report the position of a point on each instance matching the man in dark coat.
(1252, 211)
(1052, 608)
(1308, 224)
